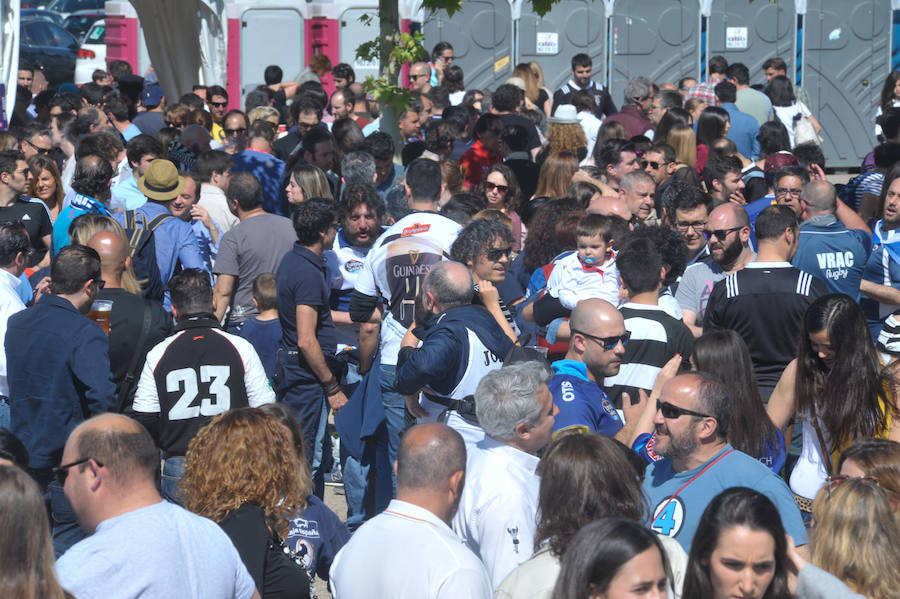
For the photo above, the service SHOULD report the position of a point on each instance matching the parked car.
(46, 46)
(41, 13)
(66, 7)
(92, 53)
(79, 22)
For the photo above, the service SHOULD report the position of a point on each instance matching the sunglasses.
(608, 343)
(652, 164)
(219, 104)
(62, 472)
(833, 482)
(720, 233)
(672, 412)
(39, 150)
(495, 254)
(414, 77)
(235, 131)
(492, 186)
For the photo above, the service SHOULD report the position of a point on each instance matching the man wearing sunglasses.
(595, 353)
(728, 238)
(108, 473)
(691, 421)
(35, 139)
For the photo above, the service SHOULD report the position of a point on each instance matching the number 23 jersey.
(198, 372)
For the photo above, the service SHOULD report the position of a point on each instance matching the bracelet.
(333, 390)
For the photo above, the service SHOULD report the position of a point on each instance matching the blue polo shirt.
(301, 281)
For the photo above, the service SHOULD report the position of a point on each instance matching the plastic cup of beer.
(99, 313)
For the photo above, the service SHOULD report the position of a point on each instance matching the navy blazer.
(59, 375)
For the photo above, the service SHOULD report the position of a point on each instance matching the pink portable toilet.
(124, 39)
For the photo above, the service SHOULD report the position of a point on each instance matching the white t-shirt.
(159, 551)
(571, 281)
(786, 115)
(396, 266)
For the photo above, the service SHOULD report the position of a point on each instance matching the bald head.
(449, 284)
(609, 206)
(120, 444)
(728, 215)
(113, 252)
(429, 454)
(820, 197)
(592, 314)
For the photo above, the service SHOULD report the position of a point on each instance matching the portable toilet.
(571, 27)
(659, 40)
(482, 39)
(124, 36)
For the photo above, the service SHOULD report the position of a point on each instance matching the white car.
(92, 53)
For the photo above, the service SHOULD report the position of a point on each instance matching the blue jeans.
(173, 470)
(301, 391)
(64, 526)
(395, 416)
(4, 412)
(355, 474)
(321, 453)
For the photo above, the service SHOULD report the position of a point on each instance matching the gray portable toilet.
(571, 27)
(659, 40)
(846, 56)
(482, 40)
(271, 33)
(354, 32)
(752, 32)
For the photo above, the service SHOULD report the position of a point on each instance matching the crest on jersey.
(415, 229)
(413, 256)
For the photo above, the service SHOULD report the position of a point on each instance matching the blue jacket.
(582, 403)
(59, 375)
(832, 252)
(443, 359)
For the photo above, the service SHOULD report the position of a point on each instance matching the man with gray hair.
(828, 249)
(637, 188)
(377, 561)
(638, 100)
(358, 168)
(498, 511)
(461, 343)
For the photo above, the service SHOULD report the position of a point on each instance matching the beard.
(730, 253)
(677, 447)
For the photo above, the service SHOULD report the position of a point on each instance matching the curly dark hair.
(552, 232)
(476, 238)
(671, 247)
(513, 195)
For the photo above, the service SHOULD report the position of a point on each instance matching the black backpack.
(142, 249)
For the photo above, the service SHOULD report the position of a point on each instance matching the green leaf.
(366, 19)
(451, 6)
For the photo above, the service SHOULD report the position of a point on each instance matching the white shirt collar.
(524, 460)
(768, 265)
(404, 509)
(10, 279)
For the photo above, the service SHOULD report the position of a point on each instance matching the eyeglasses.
(61, 472)
(720, 233)
(235, 131)
(783, 191)
(414, 77)
(696, 226)
(495, 254)
(39, 150)
(652, 164)
(608, 343)
(219, 104)
(833, 482)
(492, 186)
(672, 411)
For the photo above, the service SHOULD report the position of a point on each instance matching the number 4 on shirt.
(668, 517)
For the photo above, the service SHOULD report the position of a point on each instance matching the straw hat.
(161, 181)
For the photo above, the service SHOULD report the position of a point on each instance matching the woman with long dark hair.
(712, 124)
(724, 354)
(739, 550)
(787, 107)
(605, 559)
(837, 388)
(583, 477)
(890, 97)
(501, 192)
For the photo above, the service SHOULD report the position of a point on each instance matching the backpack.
(142, 249)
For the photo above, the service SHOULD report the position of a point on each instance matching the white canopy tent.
(9, 52)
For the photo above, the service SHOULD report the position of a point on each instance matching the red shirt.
(476, 162)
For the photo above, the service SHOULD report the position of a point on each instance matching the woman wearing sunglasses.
(837, 389)
(501, 190)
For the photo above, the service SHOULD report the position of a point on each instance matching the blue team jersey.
(677, 515)
(316, 535)
(830, 251)
(883, 268)
(581, 402)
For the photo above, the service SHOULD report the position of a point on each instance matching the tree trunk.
(389, 69)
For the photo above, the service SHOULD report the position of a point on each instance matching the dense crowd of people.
(544, 346)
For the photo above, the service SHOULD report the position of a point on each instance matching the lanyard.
(693, 478)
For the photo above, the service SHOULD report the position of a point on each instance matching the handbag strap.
(826, 453)
(130, 374)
